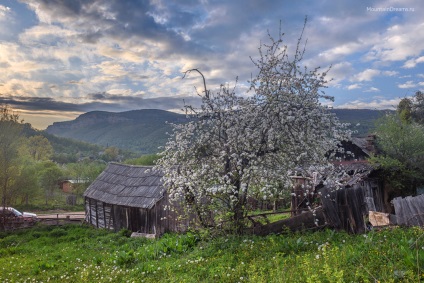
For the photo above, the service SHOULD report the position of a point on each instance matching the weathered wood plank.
(410, 210)
(397, 202)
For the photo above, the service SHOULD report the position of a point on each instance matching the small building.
(356, 190)
(70, 185)
(131, 197)
(360, 192)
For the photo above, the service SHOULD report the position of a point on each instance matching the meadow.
(78, 253)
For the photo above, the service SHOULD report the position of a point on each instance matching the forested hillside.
(66, 150)
(360, 120)
(144, 131)
(141, 131)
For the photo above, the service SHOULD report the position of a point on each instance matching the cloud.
(379, 104)
(99, 53)
(340, 51)
(340, 72)
(353, 86)
(413, 62)
(399, 41)
(372, 89)
(408, 84)
(99, 101)
(390, 73)
(4, 12)
(366, 75)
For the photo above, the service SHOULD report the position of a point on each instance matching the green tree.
(402, 152)
(10, 139)
(49, 179)
(111, 154)
(27, 186)
(39, 148)
(418, 107)
(147, 160)
(404, 109)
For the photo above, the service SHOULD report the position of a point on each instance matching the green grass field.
(77, 253)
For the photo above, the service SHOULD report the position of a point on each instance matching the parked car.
(11, 213)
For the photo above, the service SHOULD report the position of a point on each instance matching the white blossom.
(238, 146)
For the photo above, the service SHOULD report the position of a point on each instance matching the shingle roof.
(127, 185)
(365, 144)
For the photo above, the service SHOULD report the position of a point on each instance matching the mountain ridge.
(144, 131)
(140, 131)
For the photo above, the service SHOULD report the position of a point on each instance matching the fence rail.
(61, 218)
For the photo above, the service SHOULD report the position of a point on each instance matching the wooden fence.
(44, 219)
(409, 211)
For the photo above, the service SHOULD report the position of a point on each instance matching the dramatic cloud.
(117, 55)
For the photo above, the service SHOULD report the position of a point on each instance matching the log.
(304, 221)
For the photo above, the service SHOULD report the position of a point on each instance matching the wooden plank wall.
(158, 220)
(345, 208)
(410, 210)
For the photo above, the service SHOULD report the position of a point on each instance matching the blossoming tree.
(237, 146)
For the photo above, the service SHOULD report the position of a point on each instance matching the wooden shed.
(360, 192)
(131, 197)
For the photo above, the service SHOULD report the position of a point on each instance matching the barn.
(131, 197)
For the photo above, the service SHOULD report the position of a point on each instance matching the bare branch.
(206, 91)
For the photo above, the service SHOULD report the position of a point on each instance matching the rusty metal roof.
(127, 185)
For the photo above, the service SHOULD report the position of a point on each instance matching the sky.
(62, 58)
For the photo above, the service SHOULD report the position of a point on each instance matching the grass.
(268, 216)
(77, 253)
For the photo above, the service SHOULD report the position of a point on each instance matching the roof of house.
(76, 181)
(365, 144)
(352, 172)
(127, 185)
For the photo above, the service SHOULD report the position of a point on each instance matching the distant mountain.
(143, 131)
(361, 120)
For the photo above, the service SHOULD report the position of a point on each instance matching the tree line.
(28, 173)
(400, 141)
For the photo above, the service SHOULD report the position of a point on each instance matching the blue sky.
(61, 58)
